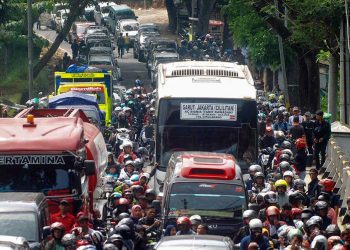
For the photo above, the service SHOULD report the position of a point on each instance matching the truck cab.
(205, 184)
(53, 151)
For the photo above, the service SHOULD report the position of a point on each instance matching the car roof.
(194, 240)
(20, 201)
(165, 54)
(122, 21)
(12, 240)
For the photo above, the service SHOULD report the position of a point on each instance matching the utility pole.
(332, 86)
(30, 48)
(342, 107)
(283, 63)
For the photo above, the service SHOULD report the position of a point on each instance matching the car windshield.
(19, 224)
(81, 29)
(33, 179)
(105, 10)
(131, 27)
(206, 199)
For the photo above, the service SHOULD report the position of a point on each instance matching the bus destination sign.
(208, 111)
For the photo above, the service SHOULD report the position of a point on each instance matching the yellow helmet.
(271, 97)
(281, 98)
(281, 183)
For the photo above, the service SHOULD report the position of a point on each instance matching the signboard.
(36, 159)
(208, 111)
(87, 89)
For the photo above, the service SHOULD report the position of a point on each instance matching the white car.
(13, 242)
(129, 26)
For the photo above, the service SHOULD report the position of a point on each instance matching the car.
(128, 26)
(13, 242)
(148, 27)
(158, 58)
(24, 215)
(96, 29)
(157, 45)
(190, 242)
(206, 184)
(106, 62)
(140, 44)
(116, 13)
(78, 31)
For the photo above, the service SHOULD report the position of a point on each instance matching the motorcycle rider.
(280, 124)
(127, 171)
(252, 170)
(322, 133)
(272, 222)
(256, 235)
(127, 150)
(282, 196)
(309, 127)
(248, 215)
(184, 226)
(268, 140)
(259, 183)
(57, 232)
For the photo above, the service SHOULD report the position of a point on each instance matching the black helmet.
(306, 214)
(286, 145)
(270, 197)
(287, 152)
(333, 230)
(321, 205)
(110, 246)
(284, 157)
(124, 231)
(127, 221)
(254, 207)
(260, 198)
(150, 191)
(299, 183)
(123, 216)
(284, 165)
(249, 214)
(142, 151)
(314, 221)
(115, 237)
(137, 189)
(295, 197)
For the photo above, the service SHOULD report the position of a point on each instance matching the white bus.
(205, 106)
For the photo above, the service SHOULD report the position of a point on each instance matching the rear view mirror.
(89, 167)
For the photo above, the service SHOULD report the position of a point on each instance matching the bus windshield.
(206, 199)
(213, 133)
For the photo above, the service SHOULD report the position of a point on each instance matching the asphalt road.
(129, 66)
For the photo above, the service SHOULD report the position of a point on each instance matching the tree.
(205, 9)
(76, 8)
(172, 16)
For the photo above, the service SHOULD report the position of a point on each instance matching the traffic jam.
(199, 159)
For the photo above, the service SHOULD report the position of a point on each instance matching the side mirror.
(46, 232)
(89, 167)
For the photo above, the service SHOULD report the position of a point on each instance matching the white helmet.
(195, 218)
(118, 109)
(288, 173)
(126, 143)
(255, 223)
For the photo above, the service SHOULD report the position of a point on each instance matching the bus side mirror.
(89, 167)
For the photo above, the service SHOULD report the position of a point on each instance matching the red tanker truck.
(54, 151)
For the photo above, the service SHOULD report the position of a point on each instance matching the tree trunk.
(172, 14)
(206, 6)
(76, 9)
(313, 81)
(332, 86)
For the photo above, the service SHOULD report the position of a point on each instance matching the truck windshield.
(19, 224)
(33, 179)
(206, 199)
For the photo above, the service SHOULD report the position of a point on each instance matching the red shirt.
(68, 220)
(121, 157)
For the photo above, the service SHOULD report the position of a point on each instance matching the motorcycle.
(108, 187)
(122, 134)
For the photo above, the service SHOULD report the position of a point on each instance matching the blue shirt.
(263, 242)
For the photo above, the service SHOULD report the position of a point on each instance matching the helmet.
(299, 224)
(126, 143)
(314, 221)
(137, 189)
(118, 109)
(328, 184)
(254, 168)
(283, 230)
(255, 223)
(259, 174)
(279, 135)
(284, 165)
(115, 237)
(295, 197)
(124, 231)
(57, 226)
(195, 219)
(319, 242)
(294, 232)
(300, 143)
(260, 198)
(281, 183)
(122, 216)
(115, 196)
(321, 205)
(332, 230)
(249, 214)
(183, 220)
(296, 211)
(68, 240)
(272, 210)
(299, 183)
(306, 214)
(134, 177)
(150, 191)
(270, 197)
(288, 173)
(97, 237)
(284, 157)
(110, 246)
(271, 97)
(87, 247)
(129, 162)
(286, 145)
(127, 221)
(142, 151)
(288, 152)
(123, 201)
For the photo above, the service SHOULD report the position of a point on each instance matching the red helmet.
(328, 184)
(122, 201)
(296, 211)
(183, 220)
(272, 210)
(300, 143)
